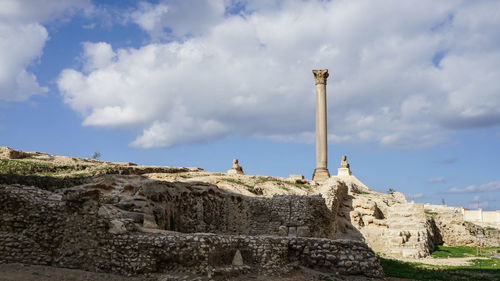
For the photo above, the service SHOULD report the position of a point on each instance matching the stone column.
(321, 171)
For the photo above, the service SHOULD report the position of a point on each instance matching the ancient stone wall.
(483, 218)
(200, 207)
(454, 231)
(40, 227)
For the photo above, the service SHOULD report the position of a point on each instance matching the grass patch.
(462, 252)
(301, 185)
(364, 192)
(108, 170)
(283, 184)
(285, 188)
(250, 188)
(480, 270)
(431, 213)
(491, 228)
(18, 167)
(264, 179)
(81, 175)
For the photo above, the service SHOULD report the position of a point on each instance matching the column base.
(321, 174)
(344, 172)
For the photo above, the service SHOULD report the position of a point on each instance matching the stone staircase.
(409, 232)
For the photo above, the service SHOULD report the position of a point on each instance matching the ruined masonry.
(38, 227)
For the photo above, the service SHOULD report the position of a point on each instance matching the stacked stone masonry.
(201, 207)
(41, 227)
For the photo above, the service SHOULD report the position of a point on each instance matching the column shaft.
(321, 133)
(321, 171)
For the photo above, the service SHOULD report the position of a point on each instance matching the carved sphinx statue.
(236, 169)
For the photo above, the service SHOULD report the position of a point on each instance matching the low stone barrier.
(37, 227)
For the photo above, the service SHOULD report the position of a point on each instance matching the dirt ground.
(22, 272)
(448, 261)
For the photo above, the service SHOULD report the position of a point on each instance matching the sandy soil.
(305, 274)
(447, 261)
(23, 272)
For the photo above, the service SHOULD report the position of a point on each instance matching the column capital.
(320, 76)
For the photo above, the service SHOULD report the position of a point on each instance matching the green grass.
(285, 188)
(430, 213)
(480, 269)
(81, 175)
(285, 183)
(250, 188)
(491, 228)
(301, 185)
(34, 168)
(462, 251)
(264, 179)
(18, 167)
(364, 192)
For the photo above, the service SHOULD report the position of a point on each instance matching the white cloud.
(97, 55)
(250, 74)
(491, 186)
(415, 196)
(487, 202)
(20, 45)
(436, 180)
(38, 11)
(178, 18)
(22, 38)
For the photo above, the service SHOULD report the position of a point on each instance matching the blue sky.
(413, 93)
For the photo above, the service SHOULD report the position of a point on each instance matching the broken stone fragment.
(237, 259)
(283, 230)
(80, 195)
(117, 227)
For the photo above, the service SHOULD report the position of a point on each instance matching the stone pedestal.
(321, 174)
(344, 172)
(321, 171)
(344, 169)
(236, 169)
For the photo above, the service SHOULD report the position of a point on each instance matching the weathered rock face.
(386, 223)
(75, 230)
(200, 207)
(409, 232)
(390, 225)
(9, 153)
(334, 193)
(453, 230)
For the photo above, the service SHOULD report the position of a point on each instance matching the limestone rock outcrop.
(454, 230)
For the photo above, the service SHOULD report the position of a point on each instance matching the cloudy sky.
(413, 93)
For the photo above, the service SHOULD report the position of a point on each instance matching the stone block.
(283, 231)
(237, 259)
(296, 177)
(117, 227)
(149, 222)
(303, 231)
